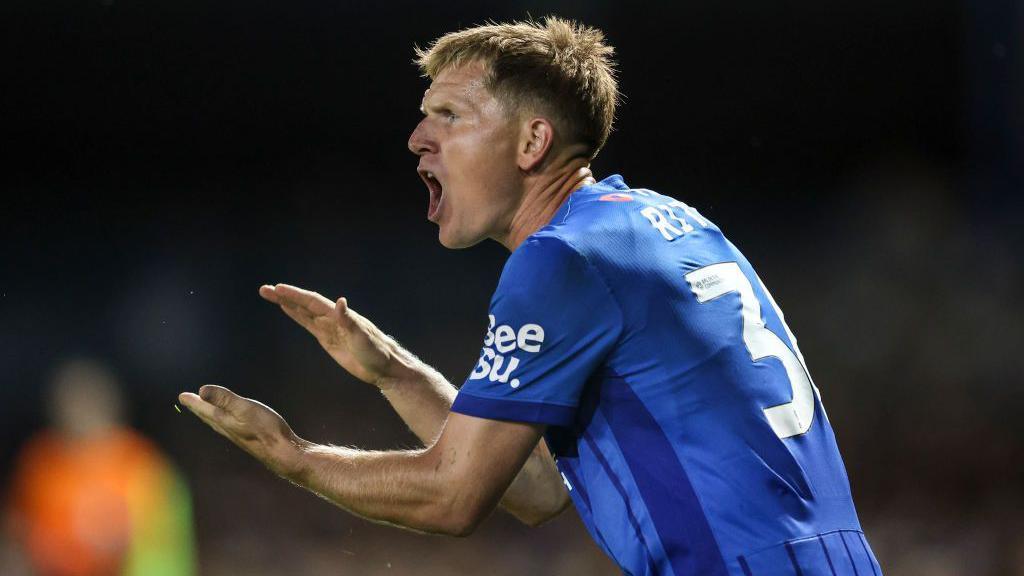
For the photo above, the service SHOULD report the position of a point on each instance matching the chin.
(455, 242)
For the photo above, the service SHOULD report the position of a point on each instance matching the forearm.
(537, 494)
(446, 488)
(422, 397)
(424, 401)
(403, 488)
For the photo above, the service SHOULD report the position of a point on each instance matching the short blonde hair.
(556, 67)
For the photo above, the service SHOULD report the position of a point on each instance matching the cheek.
(480, 166)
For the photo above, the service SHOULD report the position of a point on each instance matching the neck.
(543, 198)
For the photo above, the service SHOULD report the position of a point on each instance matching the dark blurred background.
(166, 158)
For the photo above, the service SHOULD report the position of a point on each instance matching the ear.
(535, 139)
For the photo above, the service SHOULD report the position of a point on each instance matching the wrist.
(292, 462)
(405, 371)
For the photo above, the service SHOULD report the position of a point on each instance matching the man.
(625, 330)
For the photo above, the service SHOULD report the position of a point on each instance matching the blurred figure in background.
(90, 496)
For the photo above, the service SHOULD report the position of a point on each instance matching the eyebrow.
(445, 104)
(448, 99)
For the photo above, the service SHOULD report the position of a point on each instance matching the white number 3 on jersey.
(710, 282)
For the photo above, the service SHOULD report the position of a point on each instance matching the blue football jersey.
(680, 411)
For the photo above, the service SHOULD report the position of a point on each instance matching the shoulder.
(41, 450)
(547, 278)
(547, 262)
(609, 222)
(610, 211)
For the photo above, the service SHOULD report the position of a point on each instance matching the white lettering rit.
(669, 223)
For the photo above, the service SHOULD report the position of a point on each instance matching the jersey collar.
(615, 182)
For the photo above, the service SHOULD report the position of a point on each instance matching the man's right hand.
(352, 340)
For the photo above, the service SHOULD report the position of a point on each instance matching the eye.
(449, 116)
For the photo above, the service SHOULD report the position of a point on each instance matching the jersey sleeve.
(552, 323)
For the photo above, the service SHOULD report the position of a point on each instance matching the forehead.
(465, 82)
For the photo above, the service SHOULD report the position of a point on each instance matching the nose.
(420, 142)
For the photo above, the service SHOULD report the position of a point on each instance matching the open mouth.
(436, 193)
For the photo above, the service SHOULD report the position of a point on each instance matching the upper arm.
(552, 323)
(480, 457)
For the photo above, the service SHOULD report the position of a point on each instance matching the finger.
(268, 293)
(206, 412)
(297, 313)
(300, 315)
(311, 301)
(219, 396)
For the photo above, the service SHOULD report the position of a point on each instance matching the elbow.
(537, 519)
(461, 522)
(538, 515)
(452, 517)
(466, 514)
(462, 528)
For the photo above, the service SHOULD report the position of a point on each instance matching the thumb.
(219, 396)
(209, 413)
(341, 313)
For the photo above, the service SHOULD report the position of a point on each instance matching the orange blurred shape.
(74, 499)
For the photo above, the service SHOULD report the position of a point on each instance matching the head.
(85, 399)
(508, 104)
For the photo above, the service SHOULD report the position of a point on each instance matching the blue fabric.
(839, 553)
(654, 405)
(514, 410)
